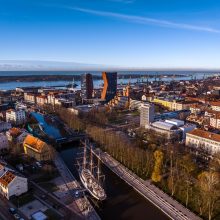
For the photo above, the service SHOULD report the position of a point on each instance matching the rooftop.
(164, 125)
(7, 178)
(15, 132)
(34, 143)
(205, 134)
(217, 103)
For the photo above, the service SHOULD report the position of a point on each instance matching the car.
(21, 218)
(12, 210)
(16, 216)
(77, 194)
(43, 196)
(38, 164)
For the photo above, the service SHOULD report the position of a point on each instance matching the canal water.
(123, 202)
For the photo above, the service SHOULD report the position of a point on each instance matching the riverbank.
(165, 203)
(122, 202)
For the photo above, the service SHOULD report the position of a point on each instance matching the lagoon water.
(97, 83)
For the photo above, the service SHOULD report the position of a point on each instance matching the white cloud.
(145, 20)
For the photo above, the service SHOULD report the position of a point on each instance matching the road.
(164, 202)
(4, 207)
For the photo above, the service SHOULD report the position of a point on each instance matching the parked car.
(12, 210)
(16, 216)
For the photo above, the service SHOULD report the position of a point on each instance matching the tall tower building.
(86, 86)
(110, 85)
(146, 114)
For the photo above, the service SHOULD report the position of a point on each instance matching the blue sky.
(128, 33)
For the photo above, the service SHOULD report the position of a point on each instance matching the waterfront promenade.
(80, 205)
(164, 202)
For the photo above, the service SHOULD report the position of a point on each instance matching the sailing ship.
(91, 180)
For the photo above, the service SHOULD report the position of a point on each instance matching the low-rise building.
(4, 126)
(203, 141)
(120, 102)
(173, 104)
(170, 131)
(3, 142)
(16, 117)
(41, 100)
(16, 135)
(135, 104)
(215, 106)
(12, 184)
(37, 148)
(196, 108)
(213, 118)
(30, 98)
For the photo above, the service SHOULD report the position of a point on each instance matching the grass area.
(52, 215)
(51, 187)
(23, 199)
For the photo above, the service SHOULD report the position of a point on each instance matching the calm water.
(49, 126)
(97, 83)
(123, 203)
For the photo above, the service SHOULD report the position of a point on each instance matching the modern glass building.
(110, 85)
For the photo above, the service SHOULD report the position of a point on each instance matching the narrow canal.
(123, 202)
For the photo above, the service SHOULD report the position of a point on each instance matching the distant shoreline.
(48, 78)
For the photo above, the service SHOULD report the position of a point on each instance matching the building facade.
(3, 142)
(203, 141)
(4, 126)
(146, 114)
(110, 85)
(86, 86)
(36, 148)
(30, 97)
(12, 184)
(16, 117)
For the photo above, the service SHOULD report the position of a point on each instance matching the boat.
(91, 180)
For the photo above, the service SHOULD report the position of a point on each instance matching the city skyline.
(119, 33)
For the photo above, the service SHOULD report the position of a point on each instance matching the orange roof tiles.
(7, 178)
(34, 143)
(205, 134)
(15, 132)
(217, 103)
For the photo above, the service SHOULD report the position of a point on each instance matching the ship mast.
(98, 171)
(84, 156)
(91, 159)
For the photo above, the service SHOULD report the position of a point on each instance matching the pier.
(82, 204)
(173, 209)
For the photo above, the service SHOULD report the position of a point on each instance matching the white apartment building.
(29, 97)
(4, 126)
(146, 114)
(214, 118)
(41, 100)
(206, 140)
(3, 142)
(12, 184)
(16, 117)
